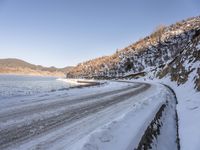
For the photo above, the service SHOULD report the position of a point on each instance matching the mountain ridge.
(21, 67)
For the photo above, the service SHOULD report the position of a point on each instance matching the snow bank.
(125, 132)
(188, 109)
(166, 126)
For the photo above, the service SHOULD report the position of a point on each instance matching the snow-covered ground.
(78, 81)
(114, 115)
(188, 109)
(55, 96)
(125, 132)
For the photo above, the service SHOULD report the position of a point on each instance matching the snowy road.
(62, 123)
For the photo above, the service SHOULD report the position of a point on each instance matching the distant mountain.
(172, 51)
(17, 66)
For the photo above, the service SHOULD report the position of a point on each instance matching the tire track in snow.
(14, 135)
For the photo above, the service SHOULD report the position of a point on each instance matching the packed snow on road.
(113, 115)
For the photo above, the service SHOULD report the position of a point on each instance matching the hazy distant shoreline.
(31, 74)
(19, 67)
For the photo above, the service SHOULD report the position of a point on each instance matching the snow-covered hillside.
(172, 50)
(170, 55)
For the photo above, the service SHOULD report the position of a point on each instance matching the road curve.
(73, 110)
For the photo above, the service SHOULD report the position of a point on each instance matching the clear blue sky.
(65, 32)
